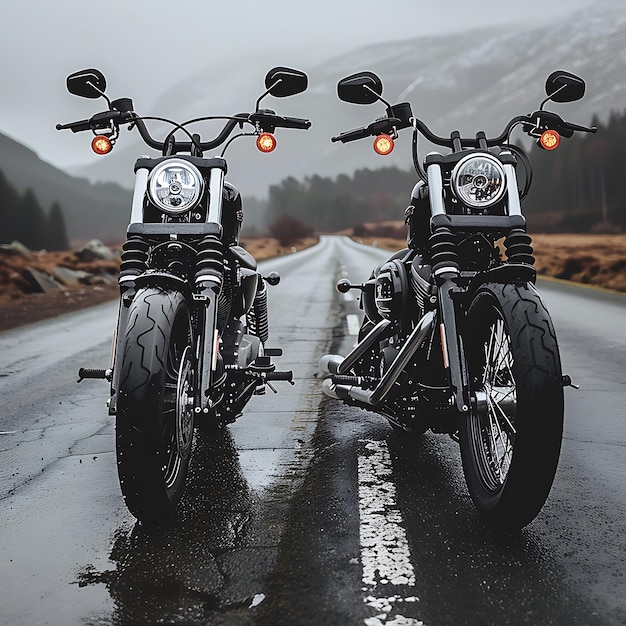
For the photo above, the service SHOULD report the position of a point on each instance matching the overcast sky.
(142, 46)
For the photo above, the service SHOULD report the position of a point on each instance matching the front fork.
(451, 340)
(208, 342)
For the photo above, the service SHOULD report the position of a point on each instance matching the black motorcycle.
(455, 337)
(189, 346)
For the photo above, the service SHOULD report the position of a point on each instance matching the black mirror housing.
(562, 86)
(360, 88)
(89, 83)
(281, 82)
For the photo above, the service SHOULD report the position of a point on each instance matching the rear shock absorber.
(210, 263)
(518, 248)
(443, 254)
(259, 322)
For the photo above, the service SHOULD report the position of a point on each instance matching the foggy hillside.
(466, 81)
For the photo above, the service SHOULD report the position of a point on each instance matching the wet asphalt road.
(306, 511)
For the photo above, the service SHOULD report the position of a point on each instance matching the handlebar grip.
(276, 375)
(352, 135)
(293, 122)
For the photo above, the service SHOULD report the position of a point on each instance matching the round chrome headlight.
(478, 180)
(175, 186)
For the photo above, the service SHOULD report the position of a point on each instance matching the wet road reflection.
(184, 572)
(464, 569)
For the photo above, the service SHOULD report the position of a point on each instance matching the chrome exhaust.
(335, 365)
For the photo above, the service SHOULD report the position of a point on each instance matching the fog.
(144, 46)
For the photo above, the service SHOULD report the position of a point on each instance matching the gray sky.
(143, 46)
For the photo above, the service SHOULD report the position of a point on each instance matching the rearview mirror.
(284, 81)
(562, 86)
(361, 88)
(87, 83)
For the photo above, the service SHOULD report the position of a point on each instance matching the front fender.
(513, 273)
(164, 280)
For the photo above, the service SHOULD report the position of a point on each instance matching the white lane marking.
(348, 297)
(385, 554)
(353, 324)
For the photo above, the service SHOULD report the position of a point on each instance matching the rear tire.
(154, 421)
(511, 440)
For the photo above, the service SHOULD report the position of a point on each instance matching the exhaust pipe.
(336, 364)
(377, 395)
(329, 363)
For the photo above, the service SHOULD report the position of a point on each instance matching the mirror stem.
(101, 93)
(258, 102)
(551, 96)
(377, 96)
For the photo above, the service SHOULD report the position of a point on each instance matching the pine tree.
(32, 222)
(9, 211)
(56, 235)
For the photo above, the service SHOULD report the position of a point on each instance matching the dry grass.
(18, 305)
(591, 259)
(598, 260)
(262, 248)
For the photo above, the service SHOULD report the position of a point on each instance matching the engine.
(392, 295)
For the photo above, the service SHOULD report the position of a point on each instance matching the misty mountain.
(90, 210)
(468, 81)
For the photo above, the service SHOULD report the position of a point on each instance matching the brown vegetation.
(592, 259)
(20, 303)
(598, 260)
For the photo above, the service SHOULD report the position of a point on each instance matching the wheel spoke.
(495, 419)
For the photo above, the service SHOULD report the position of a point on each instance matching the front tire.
(154, 421)
(511, 440)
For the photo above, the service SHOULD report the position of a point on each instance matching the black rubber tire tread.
(539, 411)
(153, 315)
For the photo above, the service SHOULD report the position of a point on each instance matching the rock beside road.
(24, 271)
(37, 285)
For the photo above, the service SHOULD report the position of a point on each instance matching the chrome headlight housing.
(175, 186)
(478, 180)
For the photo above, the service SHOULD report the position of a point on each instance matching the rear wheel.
(154, 422)
(510, 442)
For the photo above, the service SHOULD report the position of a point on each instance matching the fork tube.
(435, 189)
(512, 192)
(141, 184)
(216, 185)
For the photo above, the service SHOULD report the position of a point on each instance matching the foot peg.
(84, 372)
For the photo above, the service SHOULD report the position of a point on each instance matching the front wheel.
(154, 421)
(511, 439)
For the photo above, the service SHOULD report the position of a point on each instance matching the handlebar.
(265, 119)
(541, 119)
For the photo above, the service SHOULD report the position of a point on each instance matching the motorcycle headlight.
(478, 180)
(175, 186)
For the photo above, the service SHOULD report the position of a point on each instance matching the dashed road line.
(353, 324)
(385, 554)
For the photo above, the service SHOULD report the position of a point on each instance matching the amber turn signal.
(383, 144)
(266, 142)
(550, 140)
(101, 144)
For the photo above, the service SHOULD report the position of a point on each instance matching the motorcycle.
(190, 341)
(455, 337)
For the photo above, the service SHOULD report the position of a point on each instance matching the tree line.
(23, 219)
(579, 187)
